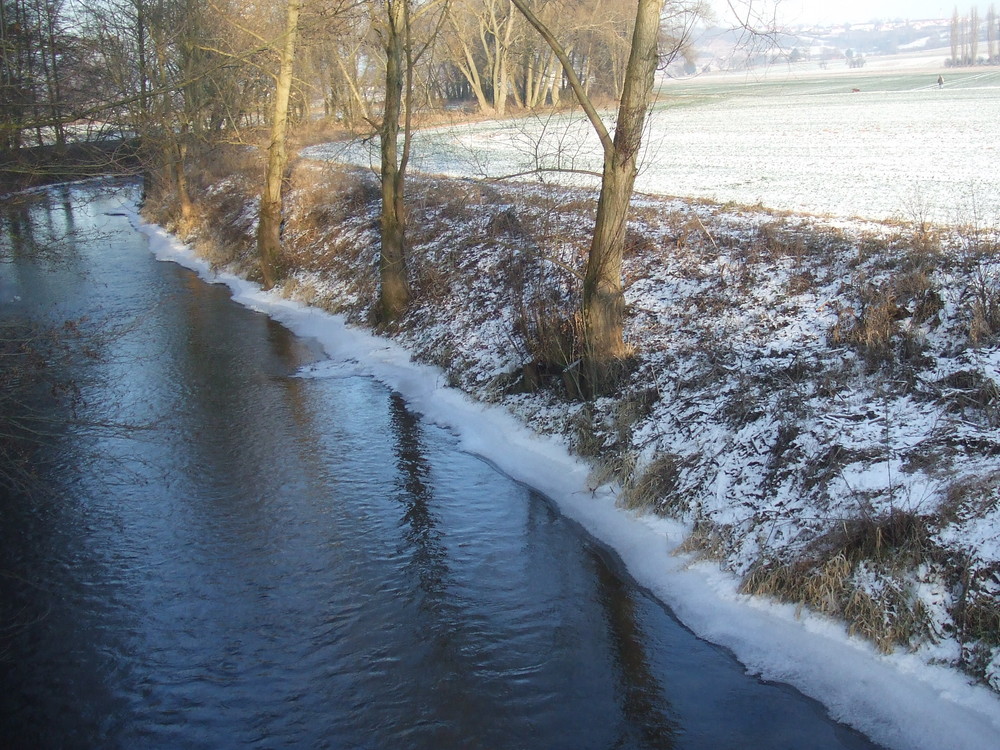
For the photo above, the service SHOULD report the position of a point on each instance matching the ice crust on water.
(899, 700)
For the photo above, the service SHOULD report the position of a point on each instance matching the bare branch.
(574, 80)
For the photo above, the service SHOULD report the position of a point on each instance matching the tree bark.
(357, 99)
(271, 203)
(172, 127)
(394, 293)
(470, 71)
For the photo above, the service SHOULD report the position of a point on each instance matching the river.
(215, 551)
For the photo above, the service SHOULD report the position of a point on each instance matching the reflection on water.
(241, 556)
(644, 702)
(429, 563)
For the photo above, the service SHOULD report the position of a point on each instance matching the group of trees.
(180, 75)
(968, 35)
(45, 70)
(492, 53)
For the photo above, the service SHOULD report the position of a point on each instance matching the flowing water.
(214, 551)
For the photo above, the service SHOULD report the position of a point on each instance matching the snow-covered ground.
(900, 700)
(793, 138)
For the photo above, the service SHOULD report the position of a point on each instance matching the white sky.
(791, 12)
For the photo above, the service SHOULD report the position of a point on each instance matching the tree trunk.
(555, 87)
(603, 298)
(394, 294)
(991, 21)
(269, 224)
(358, 101)
(172, 131)
(180, 177)
(500, 84)
(500, 63)
(470, 71)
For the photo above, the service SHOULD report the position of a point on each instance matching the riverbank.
(816, 400)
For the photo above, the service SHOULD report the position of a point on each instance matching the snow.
(898, 148)
(900, 700)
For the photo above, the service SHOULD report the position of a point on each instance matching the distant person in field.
(940, 81)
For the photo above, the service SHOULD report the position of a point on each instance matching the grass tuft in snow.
(858, 572)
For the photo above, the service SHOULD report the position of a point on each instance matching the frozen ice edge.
(897, 700)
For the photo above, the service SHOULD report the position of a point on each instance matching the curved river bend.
(218, 552)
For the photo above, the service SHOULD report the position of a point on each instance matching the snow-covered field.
(797, 139)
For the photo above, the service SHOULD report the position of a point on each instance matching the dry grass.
(857, 573)
(984, 310)
(976, 612)
(978, 618)
(970, 498)
(873, 327)
(587, 439)
(970, 393)
(707, 541)
(656, 487)
(882, 324)
(616, 467)
(226, 162)
(327, 197)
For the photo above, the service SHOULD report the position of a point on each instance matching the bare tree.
(269, 224)
(996, 31)
(174, 87)
(401, 57)
(963, 23)
(991, 33)
(973, 36)
(37, 54)
(482, 34)
(603, 296)
(338, 52)
(394, 292)
(956, 36)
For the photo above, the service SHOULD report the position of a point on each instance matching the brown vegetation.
(857, 572)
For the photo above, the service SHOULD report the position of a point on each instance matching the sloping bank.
(817, 403)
